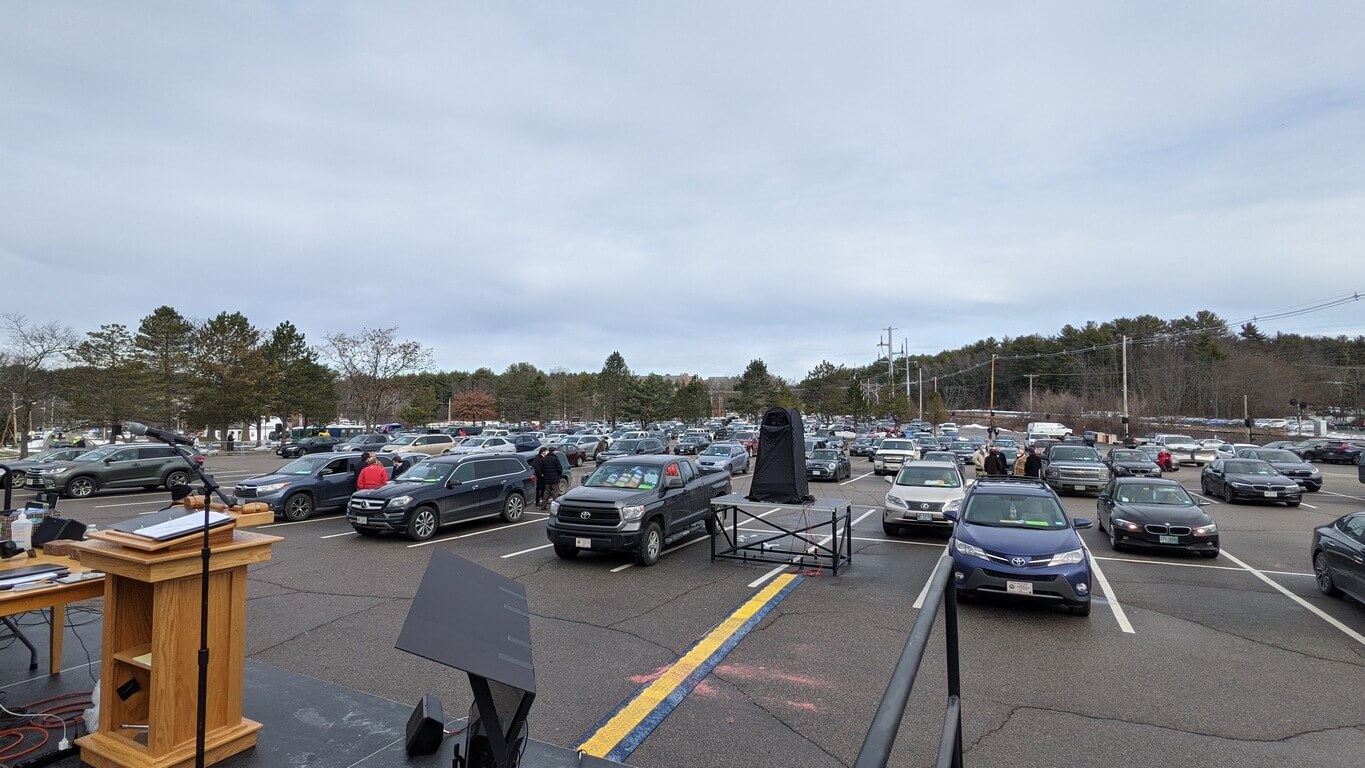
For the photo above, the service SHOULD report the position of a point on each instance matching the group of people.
(373, 474)
(548, 474)
(1027, 464)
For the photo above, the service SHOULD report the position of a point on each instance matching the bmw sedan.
(1339, 556)
(1248, 480)
(1155, 514)
(1289, 464)
(1130, 462)
(1013, 538)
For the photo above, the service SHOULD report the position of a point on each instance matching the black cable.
(89, 662)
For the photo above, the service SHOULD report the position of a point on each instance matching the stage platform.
(309, 723)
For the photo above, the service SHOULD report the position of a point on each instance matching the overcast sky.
(694, 184)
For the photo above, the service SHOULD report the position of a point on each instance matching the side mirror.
(950, 514)
(1202, 502)
(324, 471)
(584, 480)
(639, 450)
(1104, 497)
(673, 481)
(108, 460)
(1081, 522)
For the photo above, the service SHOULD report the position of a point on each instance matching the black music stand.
(469, 618)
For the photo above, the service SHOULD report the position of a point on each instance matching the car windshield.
(1014, 511)
(895, 445)
(1006, 441)
(691, 439)
(405, 440)
(1073, 454)
(98, 454)
(306, 465)
(474, 442)
(637, 476)
(1181, 439)
(1276, 454)
(1128, 456)
(825, 454)
(929, 477)
(427, 472)
(963, 446)
(626, 445)
(1249, 468)
(46, 456)
(1142, 493)
(717, 450)
(939, 456)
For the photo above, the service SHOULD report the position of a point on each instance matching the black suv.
(306, 446)
(445, 490)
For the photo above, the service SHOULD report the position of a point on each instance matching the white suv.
(919, 495)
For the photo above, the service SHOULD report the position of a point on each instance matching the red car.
(573, 453)
(747, 439)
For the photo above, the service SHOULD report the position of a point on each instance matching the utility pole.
(1030, 377)
(1126, 428)
(1246, 417)
(890, 352)
(905, 355)
(919, 391)
(991, 419)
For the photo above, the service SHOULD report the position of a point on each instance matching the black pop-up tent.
(780, 474)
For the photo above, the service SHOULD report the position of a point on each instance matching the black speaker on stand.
(780, 472)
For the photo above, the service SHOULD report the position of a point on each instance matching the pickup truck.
(634, 504)
(1068, 467)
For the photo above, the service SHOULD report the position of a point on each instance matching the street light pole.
(1125, 390)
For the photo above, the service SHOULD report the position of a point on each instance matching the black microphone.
(159, 434)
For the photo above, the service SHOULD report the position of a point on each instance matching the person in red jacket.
(372, 475)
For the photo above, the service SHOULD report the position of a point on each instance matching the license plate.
(583, 543)
(817, 472)
(1168, 539)
(362, 520)
(1270, 494)
(1080, 487)
(1019, 587)
(924, 516)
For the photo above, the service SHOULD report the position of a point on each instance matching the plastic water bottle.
(21, 531)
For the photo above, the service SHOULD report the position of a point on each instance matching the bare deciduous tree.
(370, 363)
(31, 349)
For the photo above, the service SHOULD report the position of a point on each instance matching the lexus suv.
(146, 465)
(920, 495)
(1012, 537)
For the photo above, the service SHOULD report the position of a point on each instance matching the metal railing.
(881, 735)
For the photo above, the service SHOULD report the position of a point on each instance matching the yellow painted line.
(612, 732)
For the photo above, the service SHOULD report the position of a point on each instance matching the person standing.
(1019, 463)
(995, 463)
(552, 473)
(1033, 466)
(372, 475)
(538, 466)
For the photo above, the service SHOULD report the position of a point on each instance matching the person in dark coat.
(552, 473)
(1033, 466)
(538, 466)
(995, 463)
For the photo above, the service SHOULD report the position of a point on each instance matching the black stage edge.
(308, 723)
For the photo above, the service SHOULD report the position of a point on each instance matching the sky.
(692, 184)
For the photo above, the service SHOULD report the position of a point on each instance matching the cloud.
(692, 185)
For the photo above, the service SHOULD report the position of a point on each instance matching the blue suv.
(1012, 537)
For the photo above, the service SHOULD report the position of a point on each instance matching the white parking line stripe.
(1310, 506)
(851, 479)
(301, 522)
(759, 581)
(335, 535)
(1205, 498)
(1342, 495)
(861, 517)
(896, 541)
(129, 504)
(1119, 615)
(924, 591)
(1191, 565)
(628, 566)
(1351, 633)
(476, 533)
(525, 551)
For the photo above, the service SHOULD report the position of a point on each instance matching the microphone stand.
(201, 705)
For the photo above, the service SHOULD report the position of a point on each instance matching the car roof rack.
(1011, 480)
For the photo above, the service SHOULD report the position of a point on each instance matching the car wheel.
(80, 487)
(298, 507)
(1114, 539)
(422, 524)
(176, 478)
(1322, 572)
(651, 545)
(1082, 609)
(365, 531)
(890, 530)
(565, 552)
(1293, 503)
(1228, 495)
(513, 508)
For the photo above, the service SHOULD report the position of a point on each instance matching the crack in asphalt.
(626, 632)
(753, 700)
(678, 596)
(298, 590)
(378, 602)
(1023, 707)
(1256, 641)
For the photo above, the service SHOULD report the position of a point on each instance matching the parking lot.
(1237, 661)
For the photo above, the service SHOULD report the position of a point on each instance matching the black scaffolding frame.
(826, 537)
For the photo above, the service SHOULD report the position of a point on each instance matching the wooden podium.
(151, 638)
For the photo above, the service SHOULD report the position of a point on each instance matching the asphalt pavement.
(1235, 661)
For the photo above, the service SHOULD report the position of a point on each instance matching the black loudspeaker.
(780, 472)
(55, 528)
(426, 727)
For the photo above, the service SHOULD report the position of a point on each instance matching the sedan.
(828, 464)
(1248, 479)
(574, 454)
(308, 445)
(1289, 464)
(1130, 462)
(1339, 556)
(1335, 452)
(1155, 514)
(480, 445)
(691, 445)
(724, 457)
(631, 447)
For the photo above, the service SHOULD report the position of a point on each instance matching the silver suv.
(892, 454)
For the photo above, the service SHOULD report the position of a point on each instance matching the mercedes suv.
(442, 491)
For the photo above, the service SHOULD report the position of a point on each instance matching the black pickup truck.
(634, 504)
